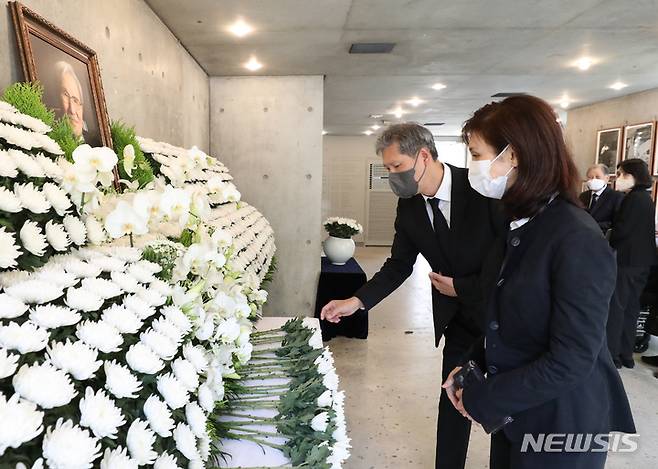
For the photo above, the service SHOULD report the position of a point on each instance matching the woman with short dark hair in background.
(633, 237)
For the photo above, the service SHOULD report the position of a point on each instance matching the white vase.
(339, 250)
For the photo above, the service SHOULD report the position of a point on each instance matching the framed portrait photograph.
(68, 71)
(638, 142)
(608, 144)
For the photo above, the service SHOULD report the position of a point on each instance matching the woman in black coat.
(633, 237)
(548, 284)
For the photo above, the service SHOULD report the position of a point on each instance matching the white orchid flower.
(128, 159)
(124, 220)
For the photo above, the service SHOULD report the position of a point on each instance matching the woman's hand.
(455, 396)
(444, 284)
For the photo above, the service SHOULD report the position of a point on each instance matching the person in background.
(441, 217)
(548, 283)
(600, 200)
(633, 237)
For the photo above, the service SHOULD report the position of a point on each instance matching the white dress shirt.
(444, 196)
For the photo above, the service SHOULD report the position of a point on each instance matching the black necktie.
(439, 220)
(595, 199)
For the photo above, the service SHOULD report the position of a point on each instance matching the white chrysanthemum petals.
(162, 345)
(81, 269)
(33, 239)
(76, 358)
(138, 306)
(50, 168)
(120, 381)
(159, 416)
(9, 202)
(196, 418)
(26, 164)
(35, 291)
(140, 440)
(100, 414)
(151, 296)
(26, 337)
(56, 276)
(175, 395)
(30, 383)
(186, 373)
(196, 356)
(8, 364)
(206, 398)
(69, 446)
(31, 198)
(57, 197)
(53, 316)
(76, 229)
(7, 166)
(104, 288)
(124, 320)
(9, 251)
(166, 461)
(118, 459)
(99, 335)
(142, 359)
(141, 274)
(21, 420)
(57, 236)
(168, 328)
(177, 317)
(83, 300)
(95, 231)
(109, 264)
(186, 442)
(10, 307)
(127, 282)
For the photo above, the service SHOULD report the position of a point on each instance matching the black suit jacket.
(633, 232)
(549, 285)
(458, 252)
(606, 207)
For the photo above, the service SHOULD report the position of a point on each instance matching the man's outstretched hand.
(336, 309)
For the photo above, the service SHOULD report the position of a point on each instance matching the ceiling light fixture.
(253, 64)
(415, 102)
(376, 116)
(565, 102)
(375, 127)
(618, 85)
(584, 63)
(368, 132)
(438, 86)
(240, 28)
(398, 112)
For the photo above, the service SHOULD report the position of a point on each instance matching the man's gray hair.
(62, 67)
(602, 167)
(411, 138)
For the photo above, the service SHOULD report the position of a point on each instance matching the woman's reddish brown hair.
(545, 166)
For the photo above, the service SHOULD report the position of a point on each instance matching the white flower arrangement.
(342, 227)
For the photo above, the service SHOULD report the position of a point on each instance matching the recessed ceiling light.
(565, 102)
(398, 112)
(253, 64)
(375, 127)
(376, 116)
(241, 28)
(324, 132)
(415, 102)
(584, 63)
(618, 85)
(368, 132)
(438, 86)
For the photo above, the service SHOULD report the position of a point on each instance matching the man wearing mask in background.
(441, 217)
(600, 200)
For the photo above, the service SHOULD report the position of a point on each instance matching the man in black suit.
(441, 217)
(600, 200)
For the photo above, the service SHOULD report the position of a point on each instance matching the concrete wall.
(149, 79)
(584, 122)
(268, 131)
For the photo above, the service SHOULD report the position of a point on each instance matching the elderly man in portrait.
(70, 98)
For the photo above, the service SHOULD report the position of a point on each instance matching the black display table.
(339, 282)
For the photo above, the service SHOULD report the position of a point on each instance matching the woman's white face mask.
(479, 175)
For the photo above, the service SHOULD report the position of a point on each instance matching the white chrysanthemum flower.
(174, 393)
(126, 253)
(99, 335)
(197, 356)
(178, 318)
(76, 229)
(104, 288)
(50, 168)
(10, 307)
(33, 239)
(83, 300)
(159, 416)
(206, 398)
(26, 337)
(124, 320)
(77, 359)
(109, 264)
(120, 381)
(141, 274)
(30, 382)
(26, 164)
(330, 380)
(32, 199)
(149, 266)
(56, 275)
(127, 282)
(138, 306)
(196, 419)
(186, 441)
(228, 330)
(12, 277)
(206, 330)
(69, 446)
(9, 252)
(53, 316)
(100, 414)
(57, 197)
(316, 340)
(118, 459)
(48, 144)
(151, 296)
(186, 373)
(166, 461)
(35, 291)
(140, 440)
(7, 166)
(168, 328)
(142, 359)
(9, 202)
(95, 231)
(21, 420)
(81, 269)
(320, 422)
(159, 343)
(8, 364)
(57, 236)
(325, 399)
(163, 288)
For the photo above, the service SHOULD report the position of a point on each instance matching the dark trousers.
(624, 311)
(453, 430)
(506, 454)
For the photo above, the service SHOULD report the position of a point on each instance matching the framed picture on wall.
(638, 142)
(68, 71)
(608, 143)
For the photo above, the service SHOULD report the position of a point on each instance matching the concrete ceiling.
(475, 47)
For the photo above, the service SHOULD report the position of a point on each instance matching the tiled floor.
(392, 382)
